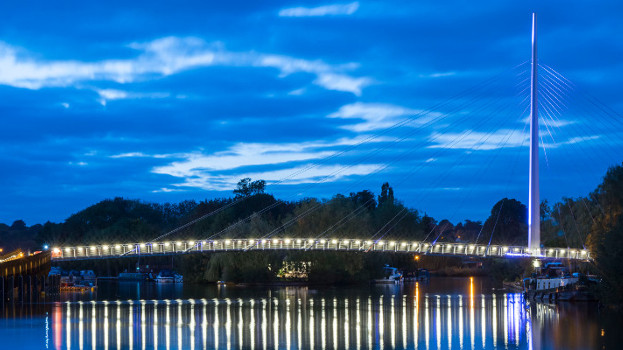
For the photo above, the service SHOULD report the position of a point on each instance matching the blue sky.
(164, 102)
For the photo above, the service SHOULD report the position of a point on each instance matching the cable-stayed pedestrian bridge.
(548, 98)
(310, 244)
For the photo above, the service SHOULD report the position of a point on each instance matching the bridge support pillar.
(20, 288)
(11, 288)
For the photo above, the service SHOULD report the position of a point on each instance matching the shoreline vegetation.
(595, 221)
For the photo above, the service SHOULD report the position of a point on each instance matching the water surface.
(457, 313)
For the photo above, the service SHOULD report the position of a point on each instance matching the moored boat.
(390, 275)
(555, 282)
(168, 276)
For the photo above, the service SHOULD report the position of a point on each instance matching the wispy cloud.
(141, 155)
(475, 140)
(376, 116)
(327, 10)
(225, 167)
(113, 94)
(289, 176)
(571, 141)
(163, 57)
(437, 75)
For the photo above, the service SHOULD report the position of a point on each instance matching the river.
(457, 313)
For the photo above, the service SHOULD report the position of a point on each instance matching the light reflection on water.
(185, 324)
(412, 317)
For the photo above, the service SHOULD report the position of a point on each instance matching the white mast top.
(534, 211)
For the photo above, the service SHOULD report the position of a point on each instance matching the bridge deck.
(353, 245)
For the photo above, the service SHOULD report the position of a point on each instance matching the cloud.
(379, 115)
(572, 141)
(112, 94)
(340, 82)
(437, 75)
(327, 10)
(475, 140)
(290, 176)
(204, 170)
(549, 121)
(144, 155)
(163, 57)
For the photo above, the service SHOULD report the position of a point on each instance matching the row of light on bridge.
(287, 241)
(311, 242)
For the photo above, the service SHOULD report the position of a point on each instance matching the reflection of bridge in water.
(295, 319)
(310, 244)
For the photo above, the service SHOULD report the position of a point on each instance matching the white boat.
(556, 283)
(390, 275)
(168, 276)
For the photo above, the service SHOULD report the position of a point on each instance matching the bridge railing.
(246, 244)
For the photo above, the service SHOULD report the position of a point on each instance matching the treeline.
(254, 213)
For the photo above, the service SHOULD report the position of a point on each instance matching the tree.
(606, 238)
(18, 225)
(247, 188)
(365, 198)
(508, 223)
(387, 194)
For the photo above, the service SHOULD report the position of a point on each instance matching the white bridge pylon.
(311, 244)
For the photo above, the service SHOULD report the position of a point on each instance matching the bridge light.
(191, 242)
(404, 244)
(142, 245)
(310, 241)
(380, 242)
(275, 241)
(118, 246)
(357, 242)
(265, 241)
(104, 247)
(334, 241)
(56, 251)
(459, 246)
(179, 243)
(368, 242)
(584, 252)
(504, 249)
(322, 241)
(227, 241)
(287, 240)
(166, 244)
(68, 249)
(215, 242)
(298, 241)
(93, 247)
(471, 246)
(561, 251)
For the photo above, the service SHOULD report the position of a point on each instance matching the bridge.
(311, 244)
(23, 276)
